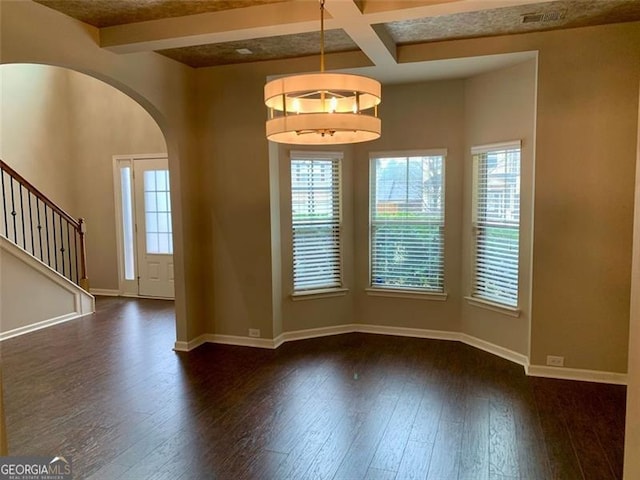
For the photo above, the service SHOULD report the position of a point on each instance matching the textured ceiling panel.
(286, 46)
(502, 21)
(106, 13)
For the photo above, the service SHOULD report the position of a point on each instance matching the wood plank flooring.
(108, 391)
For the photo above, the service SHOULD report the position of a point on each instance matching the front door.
(153, 225)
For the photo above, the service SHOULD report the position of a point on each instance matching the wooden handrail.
(40, 195)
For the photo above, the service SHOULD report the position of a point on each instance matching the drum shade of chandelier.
(322, 108)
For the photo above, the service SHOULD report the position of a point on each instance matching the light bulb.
(355, 107)
(333, 104)
(296, 105)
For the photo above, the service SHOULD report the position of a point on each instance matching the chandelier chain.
(321, 35)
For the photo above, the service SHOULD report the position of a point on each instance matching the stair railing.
(36, 224)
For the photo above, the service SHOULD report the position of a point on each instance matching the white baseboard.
(108, 292)
(241, 341)
(579, 374)
(489, 347)
(507, 354)
(313, 333)
(180, 346)
(354, 328)
(407, 332)
(147, 297)
(67, 317)
(105, 292)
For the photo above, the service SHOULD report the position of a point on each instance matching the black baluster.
(39, 228)
(13, 213)
(62, 246)
(46, 230)
(55, 242)
(4, 206)
(69, 252)
(33, 248)
(24, 236)
(75, 249)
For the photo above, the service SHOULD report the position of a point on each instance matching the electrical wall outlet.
(554, 361)
(254, 332)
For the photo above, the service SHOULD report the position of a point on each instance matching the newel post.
(84, 278)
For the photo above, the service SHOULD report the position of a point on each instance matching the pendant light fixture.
(322, 108)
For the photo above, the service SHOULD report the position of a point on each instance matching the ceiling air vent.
(543, 17)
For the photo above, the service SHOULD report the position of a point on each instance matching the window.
(407, 221)
(496, 223)
(157, 210)
(316, 221)
(127, 223)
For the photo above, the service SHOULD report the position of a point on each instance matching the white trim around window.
(492, 147)
(406, 224)
(496, 227)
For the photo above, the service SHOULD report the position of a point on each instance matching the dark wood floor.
(108, 391)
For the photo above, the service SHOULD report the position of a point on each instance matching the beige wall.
(60, 131)
(632, 434)
(236, 209)
(240, 181)
(312, 311)
(585, 161)
(20, 284)
(35, 133)
(587, 102)
(276, 241)
(499, 107)
(415, 117)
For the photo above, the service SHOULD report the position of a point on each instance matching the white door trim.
(126, 287)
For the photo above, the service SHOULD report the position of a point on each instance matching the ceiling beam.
(399, 10)
(359, 18)
(216, 27)
(380, 48)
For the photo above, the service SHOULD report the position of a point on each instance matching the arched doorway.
(61, 130)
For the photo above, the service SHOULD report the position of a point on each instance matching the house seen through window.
(407, 221)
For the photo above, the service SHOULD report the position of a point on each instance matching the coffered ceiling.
(107, 13)
(203, 33)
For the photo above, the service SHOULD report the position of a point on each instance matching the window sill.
(320, 293)
(398, 293)
(494, 307)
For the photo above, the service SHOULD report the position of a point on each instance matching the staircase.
(33, 222)
(43, 277)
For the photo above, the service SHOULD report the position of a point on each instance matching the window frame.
(318, 291)
(406, 291)
(474, 298)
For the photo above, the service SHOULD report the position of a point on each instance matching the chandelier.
(322, 108)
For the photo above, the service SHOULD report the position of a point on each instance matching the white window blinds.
(407, 221)
(316, 221)
(496, 215)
